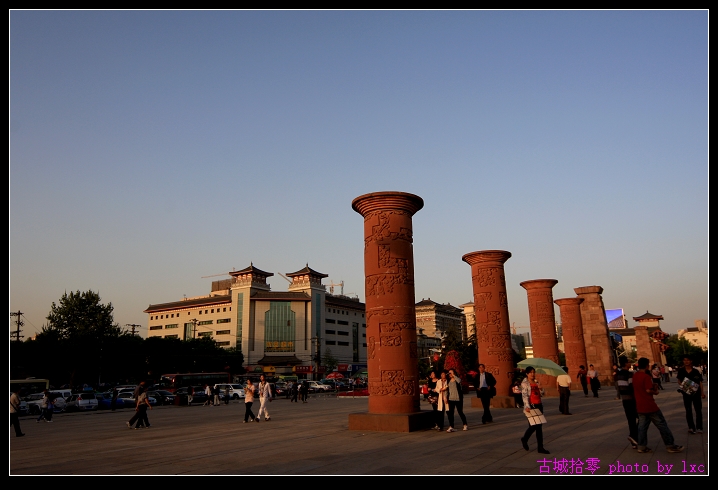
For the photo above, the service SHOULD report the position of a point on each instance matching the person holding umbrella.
(531, 394)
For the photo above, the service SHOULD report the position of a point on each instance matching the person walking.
(432, 396)
(582, 377)
(624, 382)
(43, 406)
(656, 376)
(265, 396)
(442, 400)
(15, 412)
(531, 394)
(692, 398)
(563, 384)
(113, 402)
(294, 392)
(141, 408)
(592, 375)
(215, 394)
(226, 395)
(648, 412)
(248, 401)
(208, 394)
(305, 391)
(456, 401)
(486, 390)
(190, 395)
(516, 390)
(136, 394)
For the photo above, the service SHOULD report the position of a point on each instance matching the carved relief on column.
(389, 285)
(491, 311)
(573, 343)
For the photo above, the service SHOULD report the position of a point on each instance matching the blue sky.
(149, 149)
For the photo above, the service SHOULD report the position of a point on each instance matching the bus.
(29, 386)
(172, 382)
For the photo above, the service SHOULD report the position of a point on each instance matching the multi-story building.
(281, 332)
(436, 319)
(697, 335)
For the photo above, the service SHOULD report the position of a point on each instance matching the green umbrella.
(542, 366)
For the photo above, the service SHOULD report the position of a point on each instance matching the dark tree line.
(81, 344)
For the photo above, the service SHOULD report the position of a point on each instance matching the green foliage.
(330, 362)
(680, 346)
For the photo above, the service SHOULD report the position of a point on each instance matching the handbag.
(535, 416)
(433, 399)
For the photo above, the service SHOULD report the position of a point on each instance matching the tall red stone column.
(599, 348)
(543, 326)
(491, 311)
(572, 328)
(392, 361)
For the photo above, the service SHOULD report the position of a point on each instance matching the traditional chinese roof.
(307, 271)
(648, 316)
(250, 270)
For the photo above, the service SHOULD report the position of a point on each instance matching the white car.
(81, 402)
(318, 387)
(236, 391)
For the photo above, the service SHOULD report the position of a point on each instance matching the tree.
(678, 347)
(85, 330)
(330, 362)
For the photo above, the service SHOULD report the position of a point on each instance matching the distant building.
(697, 335)
(436, 319)
(469, 318)
(279, 332)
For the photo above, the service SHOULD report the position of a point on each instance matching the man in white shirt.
(563, 383)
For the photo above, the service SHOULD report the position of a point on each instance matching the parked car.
(81, 402)
(198, 397)
(104, 401)
(236, 391)
(163, 397)
(316, 387)
(128, 399)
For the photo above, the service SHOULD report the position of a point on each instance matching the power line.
(19, 323)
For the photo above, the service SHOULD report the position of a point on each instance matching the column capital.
(588, 290)
(538, 284)
(387, 201)
(568, 301)
(489, 258)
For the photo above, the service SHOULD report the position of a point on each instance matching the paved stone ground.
(313, 439)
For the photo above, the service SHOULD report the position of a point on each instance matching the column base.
(391, 422)
(496, 402)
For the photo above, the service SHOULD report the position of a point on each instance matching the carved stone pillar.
(599, 351)
(491, 312)
(392, 361)
(572, 327)
(543, 326)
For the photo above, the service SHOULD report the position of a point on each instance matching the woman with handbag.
(531, 394)
(442, 400)
(433, 397)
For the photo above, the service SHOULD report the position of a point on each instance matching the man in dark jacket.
(485, 389)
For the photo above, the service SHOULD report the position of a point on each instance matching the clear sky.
(149, 149)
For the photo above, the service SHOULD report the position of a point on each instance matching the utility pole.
(133, 326)
(19, 323)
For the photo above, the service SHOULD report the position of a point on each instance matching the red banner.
(343, 367)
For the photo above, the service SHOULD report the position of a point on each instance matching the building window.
(204, 334)
(222, 332)
(205, 322)
(171, 336)
(224, 320)
(200, 312)
(279, 327)
(364, 345)
(330, 320)
(363, 335)
(330, 342)
(224, 310)
(343, 343)
(174, 325)
(156, 327)
(342, 322)
(331, 331)
(340, 332)
(223, 344)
